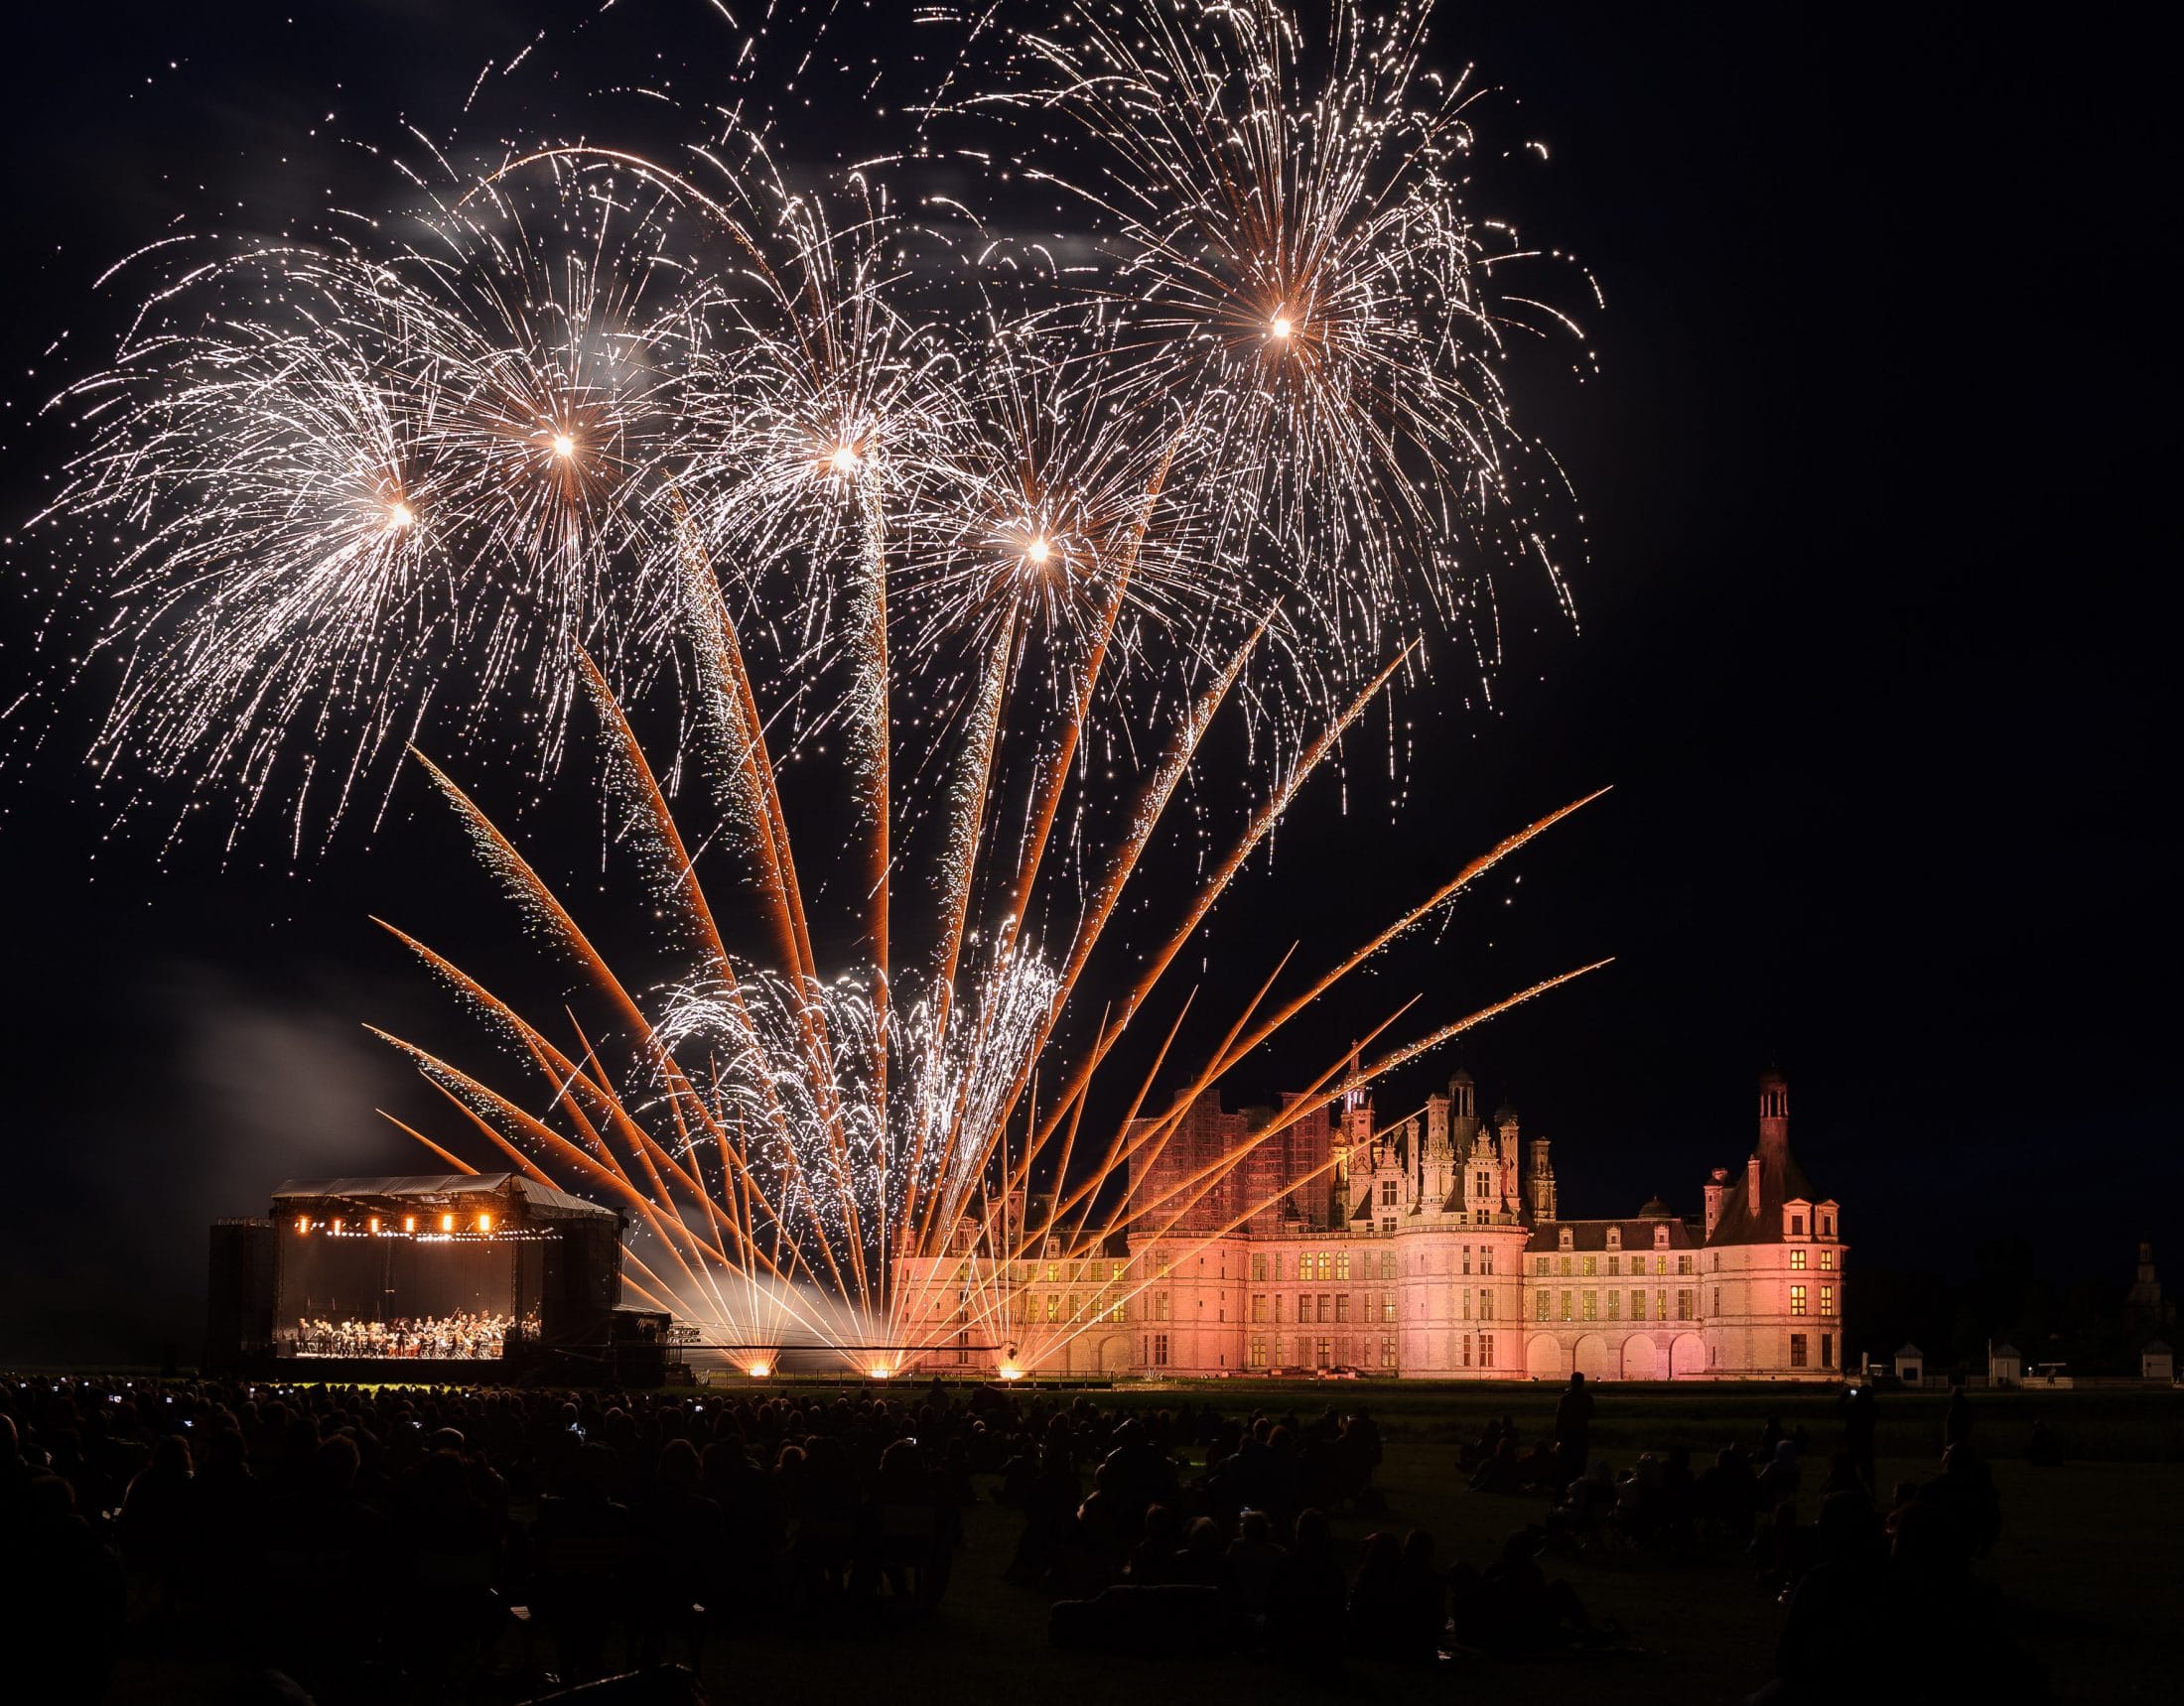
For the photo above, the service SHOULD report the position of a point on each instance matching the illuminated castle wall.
(1433, 1246)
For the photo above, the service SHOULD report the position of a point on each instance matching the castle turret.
(1774, 1107)
(1464, 1108)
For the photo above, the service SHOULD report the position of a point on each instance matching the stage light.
(759, 1370)
(337, 1229)
(484, 1222)
(373, 1224)
(1010, 1372)
(879, 1373)
(409, 1223)
(303, 1222)
(447, 1222)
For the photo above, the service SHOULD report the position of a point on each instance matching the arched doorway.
(1689, 1356)
(1590, 1358)
(1115, 1353)
(1641, 1359)
(1543, 1356)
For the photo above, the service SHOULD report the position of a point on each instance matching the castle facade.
(1429, 1247)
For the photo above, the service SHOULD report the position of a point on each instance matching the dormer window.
(1797, 1225)
(1659, 1238)
(1569, 1239)
(1614, 1237)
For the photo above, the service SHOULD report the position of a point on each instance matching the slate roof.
(1781, 1180)
(1547, 1235)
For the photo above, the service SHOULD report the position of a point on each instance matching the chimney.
(1751, 1185)
(1717, 1193)
(1542, 1181)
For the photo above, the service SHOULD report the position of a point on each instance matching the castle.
(1429, 1246)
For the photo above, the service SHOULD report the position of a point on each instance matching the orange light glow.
(564, 446)
(447, 1222)
(1039, 551)
(759, 1370)
(845, 460)
(1010, 1372)
(409, 1223)
(399, 516)
(484, 1222)
(373, 1224)
(1281, 327)
(303, 1222)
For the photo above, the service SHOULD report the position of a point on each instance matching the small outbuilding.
(2005, 1366)
(2157, 1363)
(1911, 1366)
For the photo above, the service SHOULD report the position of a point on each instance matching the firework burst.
(604, 422)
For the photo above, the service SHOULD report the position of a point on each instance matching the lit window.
(1341, 1266)
(1797, 1300)
(1388, 1306)
(1827, 1258)
(1591, 1266)
(1054, 1306)
(1797, 1259)
(1637, 1305)
(1541, 1305)
(1259, 1353)
(1615, 1306)
(1591, 1305)
(1566, 1306)
(1541, 1265)
(1827, 1300)
(1565, 1267)
(1259, 1306)
(1259, 1269)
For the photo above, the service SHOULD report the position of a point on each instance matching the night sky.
(1874, 645)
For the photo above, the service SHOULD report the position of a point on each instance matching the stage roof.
(538, 1196)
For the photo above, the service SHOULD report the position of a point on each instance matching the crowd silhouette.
(413, 1543)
